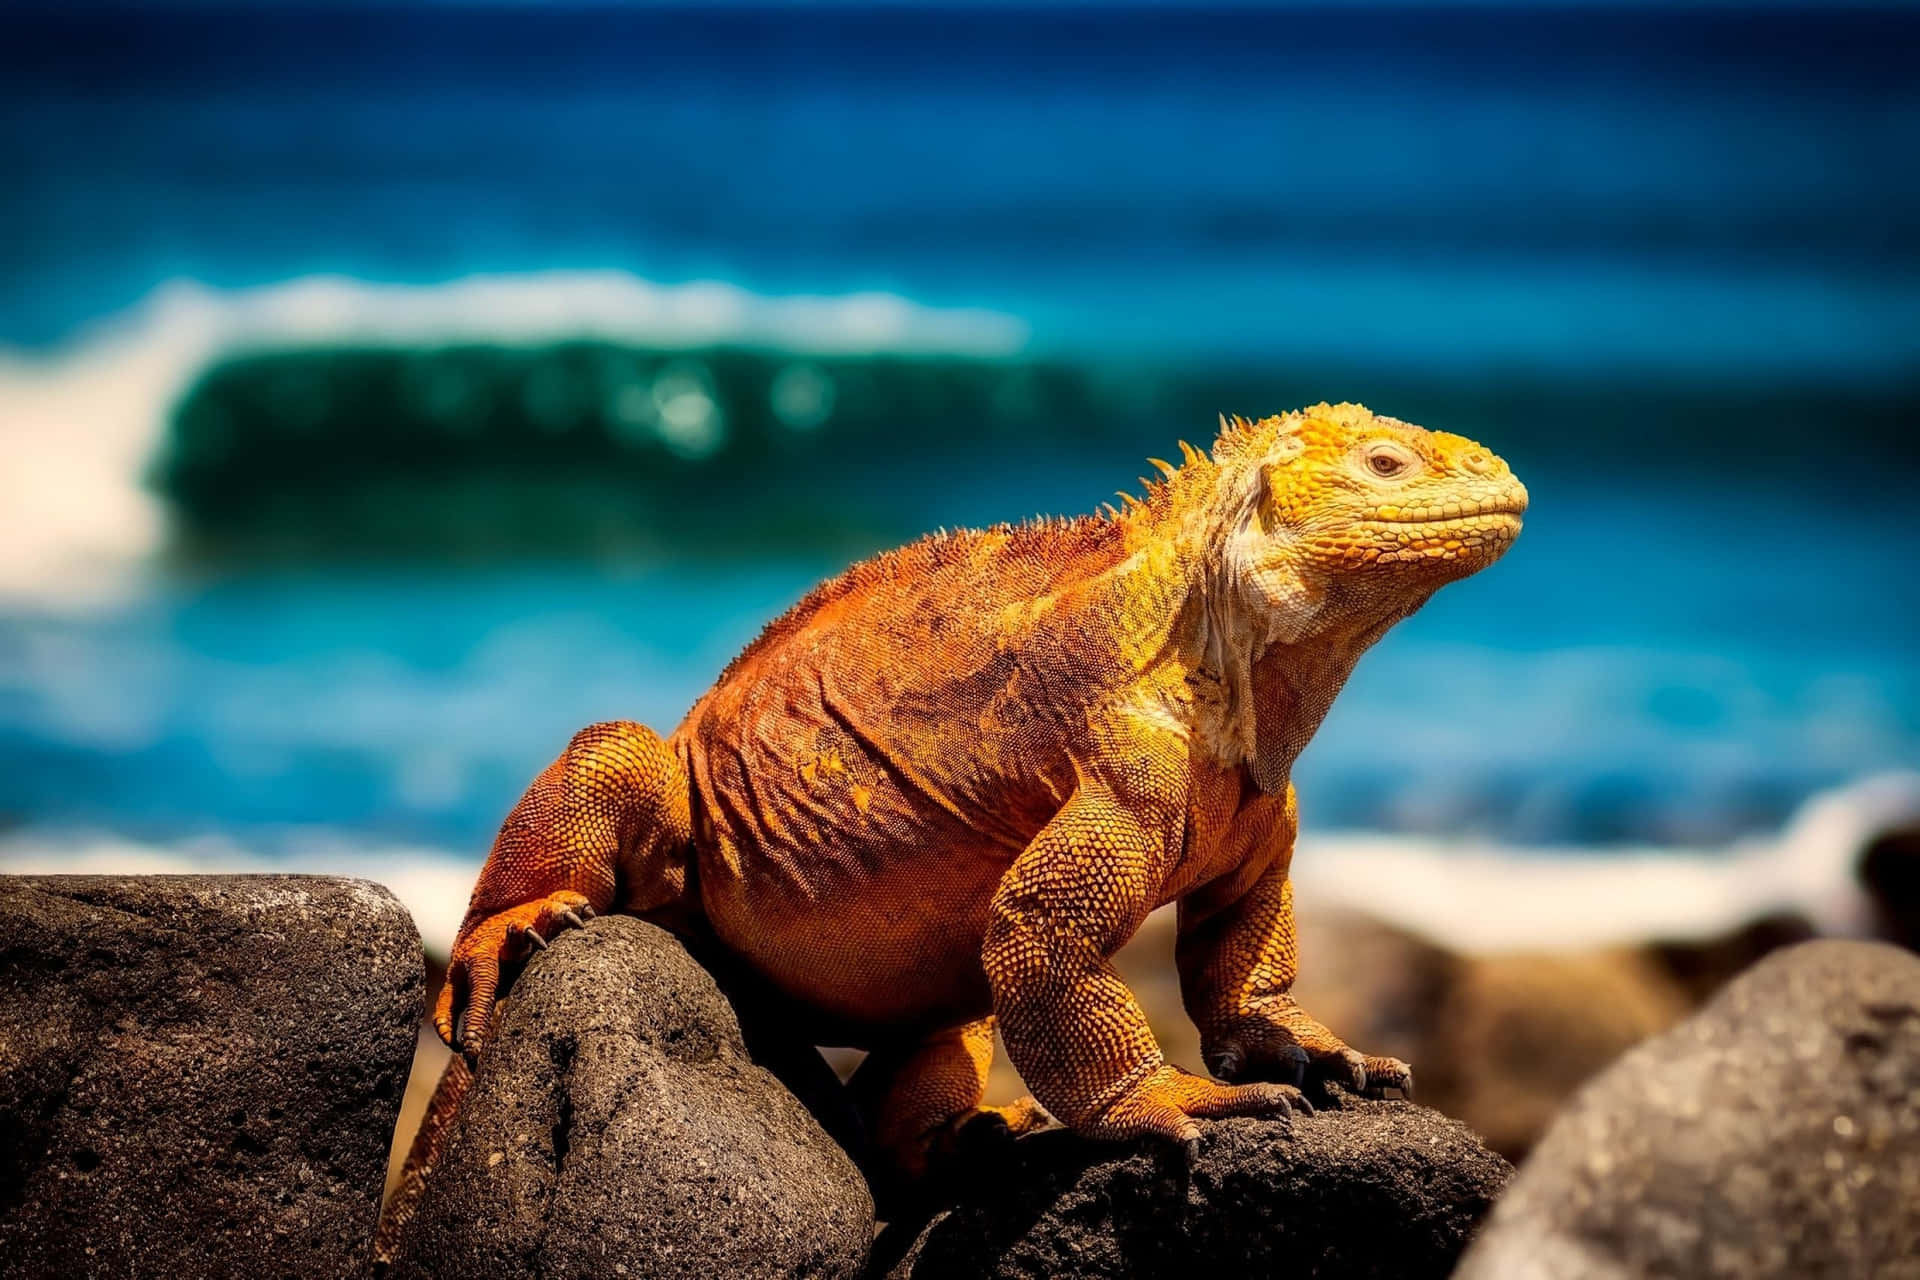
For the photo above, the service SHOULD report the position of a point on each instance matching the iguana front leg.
(1238, 958)
(606, 826)
(1072, 1027)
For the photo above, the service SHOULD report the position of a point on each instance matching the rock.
(1501, 1040)
(1699, 967)
(1890, 872)
(617, 1126)
(1498, 1040)
(199, 1074)
(1367, 1189)
(1774, 1133)
(1518, 1034)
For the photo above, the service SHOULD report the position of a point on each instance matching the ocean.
(390, 389)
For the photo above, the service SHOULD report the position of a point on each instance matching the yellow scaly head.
(1340, 514)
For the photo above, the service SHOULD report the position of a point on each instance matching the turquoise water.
(1663, 260)
(1580, 692)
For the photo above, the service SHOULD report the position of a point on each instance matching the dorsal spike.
(1188, 453)
(1166, 468)
(1225, 426)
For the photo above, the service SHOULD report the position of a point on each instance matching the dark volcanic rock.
(1890, 872)
(1384, 1189)
(199, 1074)
(1774, 1133)
(617, 1126)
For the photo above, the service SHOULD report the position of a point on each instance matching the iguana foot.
(1170, 1101)
(1365, 1074)
(966, 1139)
(991, 1126)
(1388, 1073)
(1301, 1051)
(464, 1014)
(984, 1132)
(1286, 1065)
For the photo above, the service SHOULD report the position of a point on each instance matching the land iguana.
(941, 790)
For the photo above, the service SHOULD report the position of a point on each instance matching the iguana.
(941, 790)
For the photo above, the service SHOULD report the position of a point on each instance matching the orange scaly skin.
(946, 786)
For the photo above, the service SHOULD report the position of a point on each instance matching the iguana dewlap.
(946, 786)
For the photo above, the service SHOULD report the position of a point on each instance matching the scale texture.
(940, 792)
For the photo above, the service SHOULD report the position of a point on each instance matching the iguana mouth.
(1511, 512)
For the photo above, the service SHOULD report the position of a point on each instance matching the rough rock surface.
(1368, 1188)
(199, 1074)
(1775, 1133)
(618, 1127)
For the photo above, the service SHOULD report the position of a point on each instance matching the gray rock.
(617, 1126)
(1371, 1188)
(1774, 1133)
(199, 1074)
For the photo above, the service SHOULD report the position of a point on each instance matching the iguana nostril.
(1477, 462)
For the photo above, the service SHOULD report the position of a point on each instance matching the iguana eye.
(1386, 460)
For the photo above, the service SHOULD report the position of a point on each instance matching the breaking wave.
(1490, 897)
(81, 425)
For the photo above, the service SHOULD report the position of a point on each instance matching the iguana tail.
(435, 1128)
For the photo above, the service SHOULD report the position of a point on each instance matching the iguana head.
(1336, 514)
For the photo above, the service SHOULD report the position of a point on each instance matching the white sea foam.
(79, 424)
(1471, 897)
(1487, 897)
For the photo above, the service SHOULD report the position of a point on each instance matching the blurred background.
(389, 389)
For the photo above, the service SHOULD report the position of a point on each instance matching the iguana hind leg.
(607, 826)
(919, 1099)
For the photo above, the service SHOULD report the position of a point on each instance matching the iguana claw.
(1369, 1075)
(1286, 1064)
(486, 945)
(1389, 1073)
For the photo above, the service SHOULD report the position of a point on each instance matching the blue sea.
(1664, 258)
